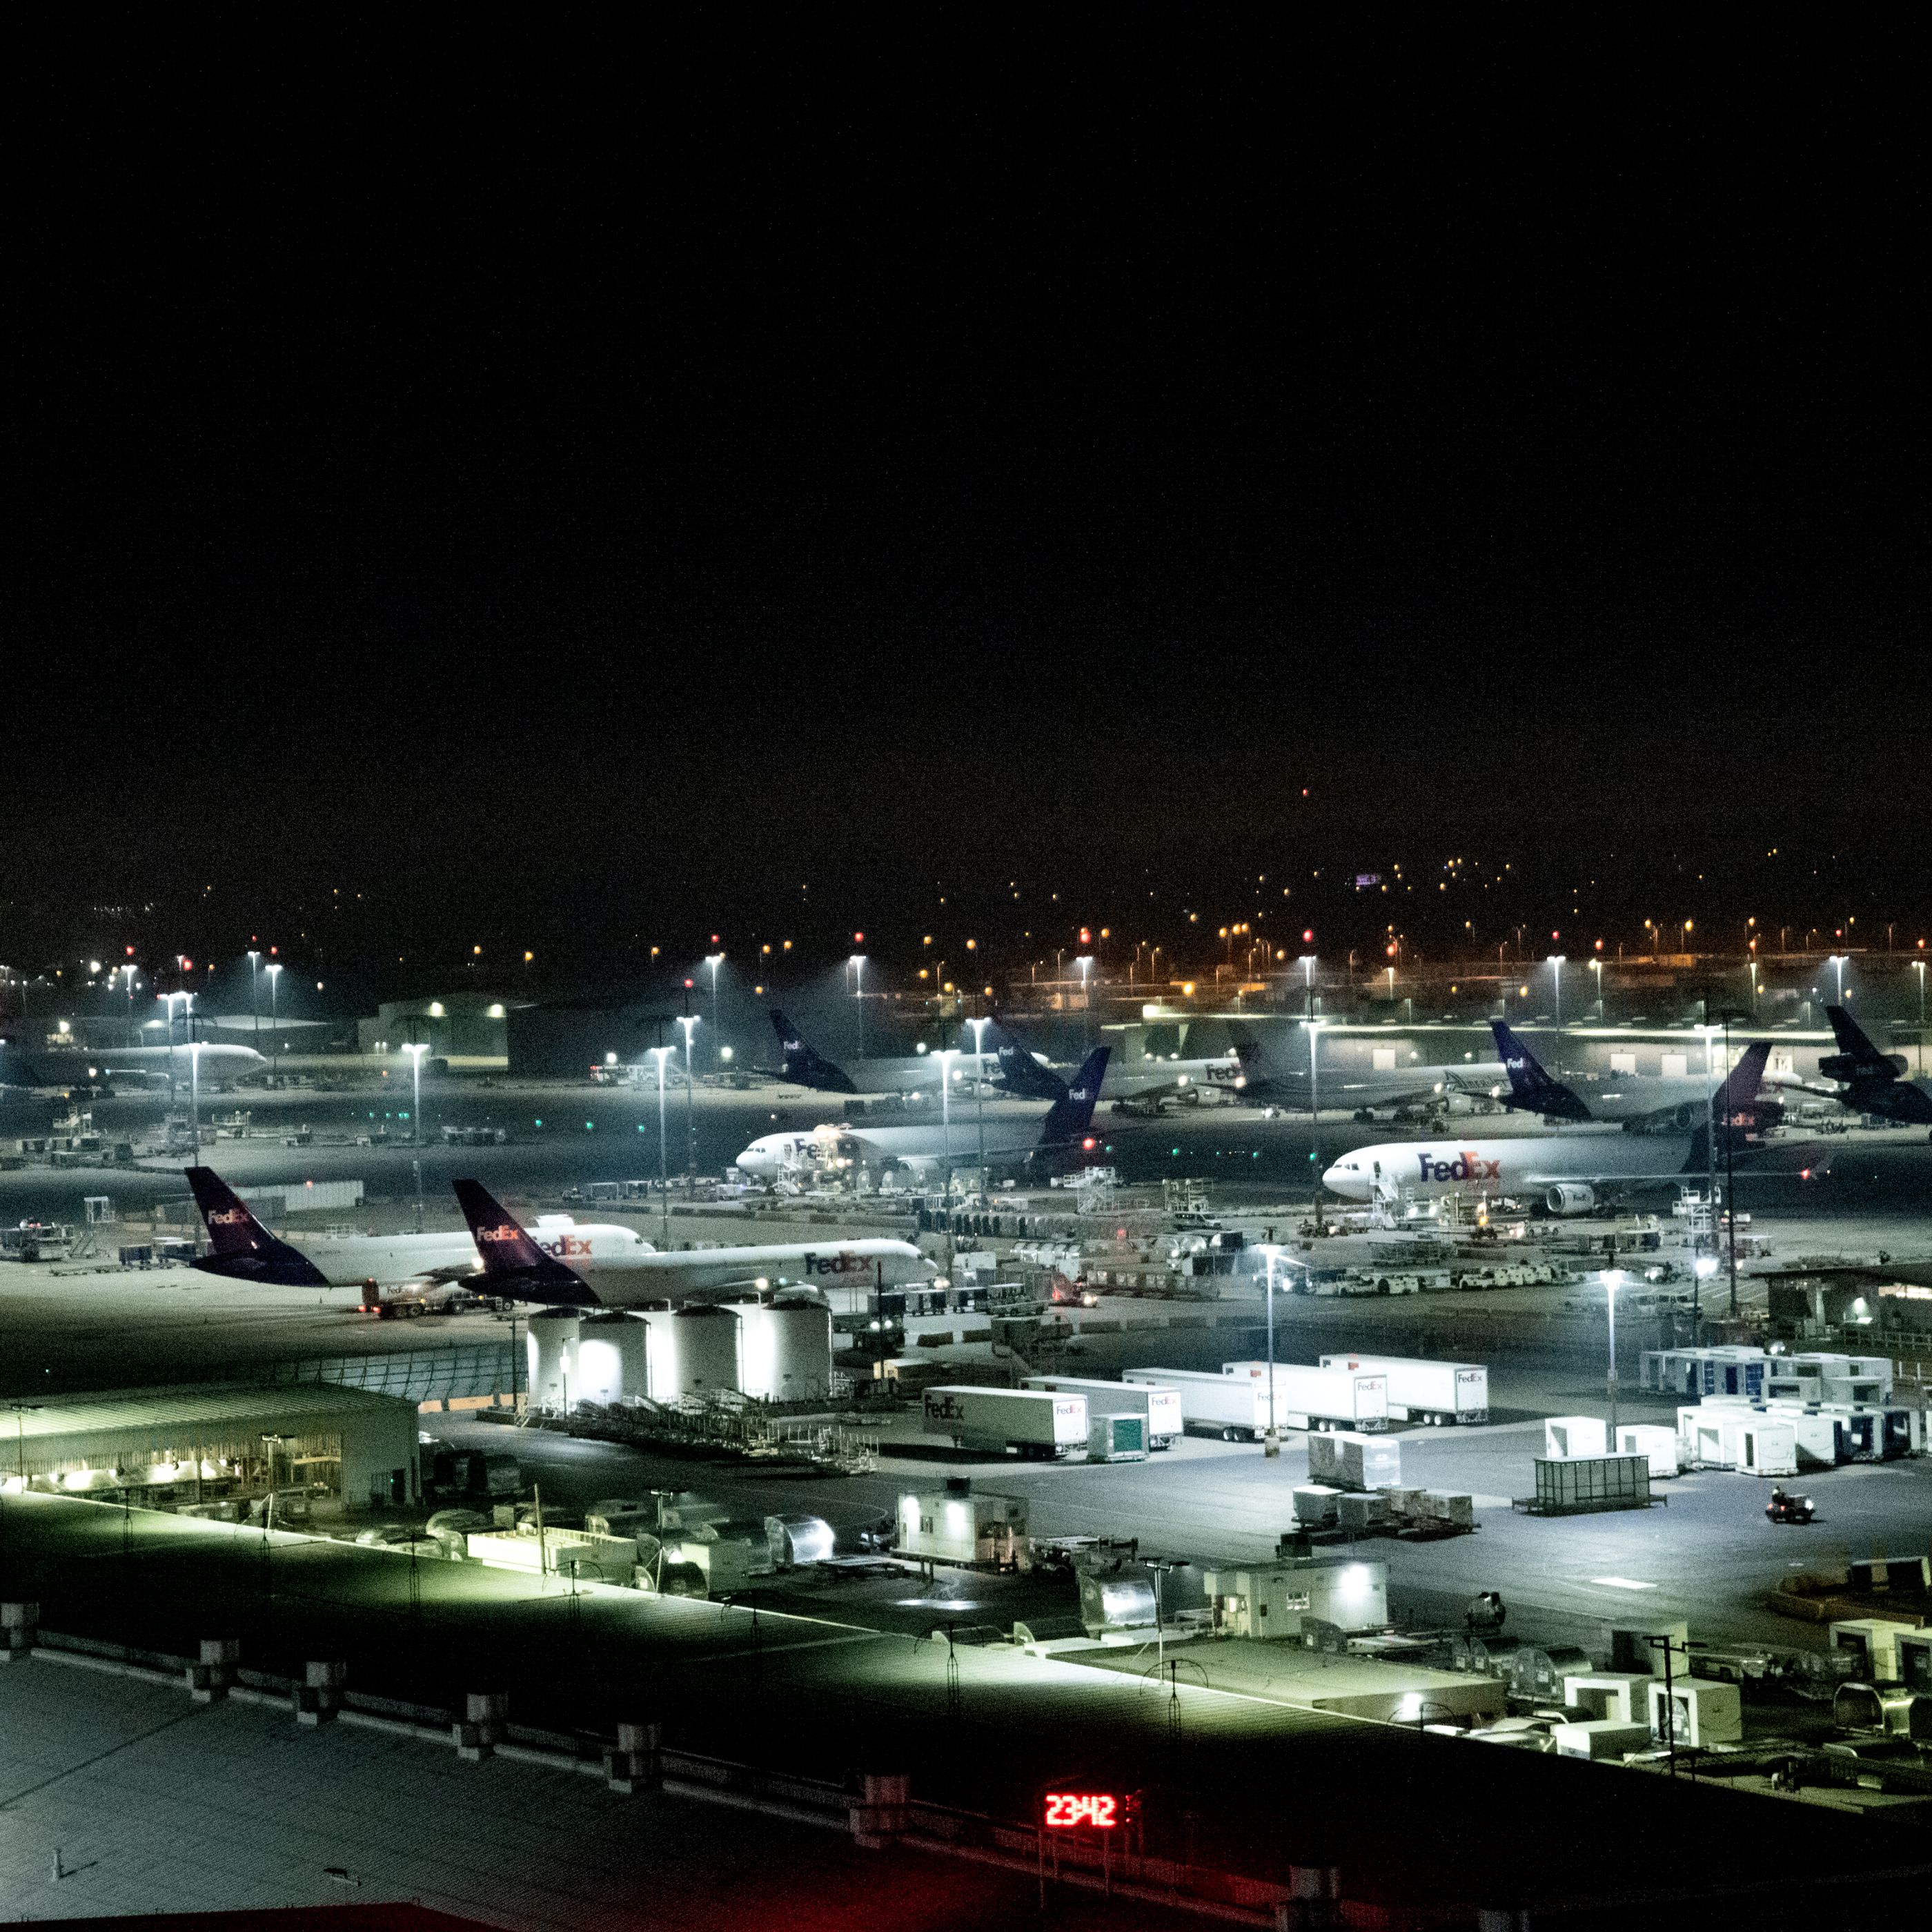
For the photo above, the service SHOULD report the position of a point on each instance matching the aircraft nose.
(1335, 1180)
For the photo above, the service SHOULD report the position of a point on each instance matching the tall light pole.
(193, 1082)
(1918, 966)
(979, 1027)
(1612, 1281)
(275, 971)
(946, 1055)
(1557, 961)
(1085, 963)
(857, 963)
(689, 1023)
(1314, 1116)
(416, 1051)
(1838, 966)
(714, 961)
(1597, 966)
(254, 1002)
(1271, 1441)
(662, 1053)
(167, 1001)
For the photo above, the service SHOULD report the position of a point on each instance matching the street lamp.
(1557, 961)
(979, 1027)
(714, 961)
(415, 1053)
(1597, 966)
(1838, 966)
(1271, 1441)
(275, 972)
(1085, 963)
(857, 963)
(689, 1022)
(1613, 1279)
(254, 1001)
(946, 1110)
(1315, 1114)
(663, 1053)
(1918, 966)
(1702, 1270)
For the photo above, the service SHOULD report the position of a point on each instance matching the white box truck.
(1019, 1422)
(1211, 1405)
(1423, 1391)
(1161, 1406)
(1312, 1398)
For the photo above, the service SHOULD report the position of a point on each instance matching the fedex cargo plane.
(96, 1069)
(1678, 1100)
(517, 1264)
(932, 1150)
(802, 1064)
(243, 1250)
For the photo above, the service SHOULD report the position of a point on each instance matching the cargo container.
(1117, 1439)
(1211, 1405)
(1600, 1737)
(1425, 1391)
(1651, 1439)
(1696, 1712)
(1575, 1436)
(1352, 1461)
(1312, 1398)
(1567, 1485)
(1161, 1406)
(1617, 1696)
(1015, 1422)
(1749, 1440)
(1874, 1641)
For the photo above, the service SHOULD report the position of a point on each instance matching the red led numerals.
(1066, 1809)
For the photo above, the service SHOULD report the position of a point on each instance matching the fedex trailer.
(1425, 1391)
(1010, 1422)
(1324, 1398)
(1161, 1406)
(1211, 1405)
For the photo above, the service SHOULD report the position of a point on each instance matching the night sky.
(612, 479)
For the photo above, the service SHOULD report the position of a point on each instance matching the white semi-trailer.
(1310, 1398)
(1161, 1406)
(1022, 1422)
(1211, 1405)
(1420, 1391)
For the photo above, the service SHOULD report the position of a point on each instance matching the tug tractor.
(1785, 1507)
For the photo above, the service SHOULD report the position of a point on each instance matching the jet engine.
(1570, 1197)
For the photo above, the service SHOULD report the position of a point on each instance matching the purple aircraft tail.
(513, 1264)
(245, 1250)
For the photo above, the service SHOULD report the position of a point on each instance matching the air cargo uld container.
(1236, 1410)
(1352, 1461)
(1117, 1439)
(1161, 1406)
(1575, 1436)
(1423, 1391)
(1567, 1485)
(1312, 1398)
(1018, 1422)
(1651, 1439)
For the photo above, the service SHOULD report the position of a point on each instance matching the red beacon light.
(1069, 1810)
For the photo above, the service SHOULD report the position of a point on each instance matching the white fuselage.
(1124, 1079)
(1427, 1170)
(640, 1279)
(829, 1150)
(354, 1260)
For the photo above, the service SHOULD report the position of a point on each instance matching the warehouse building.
(218, 1448)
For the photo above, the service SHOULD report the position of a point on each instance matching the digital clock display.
(1067, 1810)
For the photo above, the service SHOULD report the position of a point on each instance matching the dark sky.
(657, 463)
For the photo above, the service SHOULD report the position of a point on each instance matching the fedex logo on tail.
(503, 1232)
(229, 1217)
(1466, 1166)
